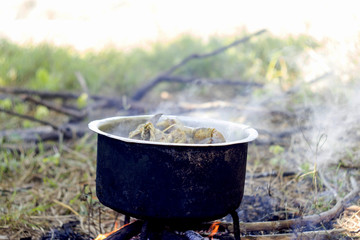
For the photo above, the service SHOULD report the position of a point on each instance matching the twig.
(153, 82)
(55, 127)
(348, 166)
(66, 206)
(260, 142)
(53, 217)
(29, 135)
(42, 94)
(188, 107)
(289, 236)
(17, 190)
(327, 184)
(69, 112)
(271, 174)
(40, 134)
(23, 147)
(298, 222)
(85, 89)
(285, 133)
(196, 80)
(210, 54)
(297, 87)
(82, 82)
(100, 101)
(51, 94)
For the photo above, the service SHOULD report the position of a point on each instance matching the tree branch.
(50, 94)
(204, 81)
(66, 111)
(55, 127)
(42, 94)
(298, 222)
(210, 54)
(153, 82)
(315, 235)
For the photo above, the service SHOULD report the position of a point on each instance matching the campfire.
(139, 229)
(170, 187)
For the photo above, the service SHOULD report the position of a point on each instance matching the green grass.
(54, 182)
(120, 72)
(117, 72)
(36, 185)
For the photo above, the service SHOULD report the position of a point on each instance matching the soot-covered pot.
(170, 181)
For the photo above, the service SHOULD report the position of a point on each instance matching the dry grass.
(49, 184)
(55, 186)
(47, 188)
(350, 221)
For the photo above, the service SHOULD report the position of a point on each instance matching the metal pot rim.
(95, 125)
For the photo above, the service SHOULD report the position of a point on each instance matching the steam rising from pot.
(321, 111)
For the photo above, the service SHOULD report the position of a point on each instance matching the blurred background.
(94, 24)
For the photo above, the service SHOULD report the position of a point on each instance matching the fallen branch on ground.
(313, 235)
(140, 93)
(55, 127)
(315, 80)
(70, 112)
(188, 107)
(22, 148)
(42, 94)
(99, 101)
(179, 79)
(52, 94)
(298, 222)
(271, 174)
(285, 133)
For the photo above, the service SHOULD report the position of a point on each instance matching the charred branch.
(168, 235)
(127, 232)
(272, 174)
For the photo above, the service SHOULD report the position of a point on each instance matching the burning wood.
(127, 231)
(213, 229)
(152, 231)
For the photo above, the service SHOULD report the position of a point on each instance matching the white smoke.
(335, 105)
(335, 124)
(329, 106)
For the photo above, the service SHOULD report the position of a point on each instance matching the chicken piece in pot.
(145, 131)
(207, 136)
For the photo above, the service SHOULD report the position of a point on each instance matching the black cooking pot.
(169, 181)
